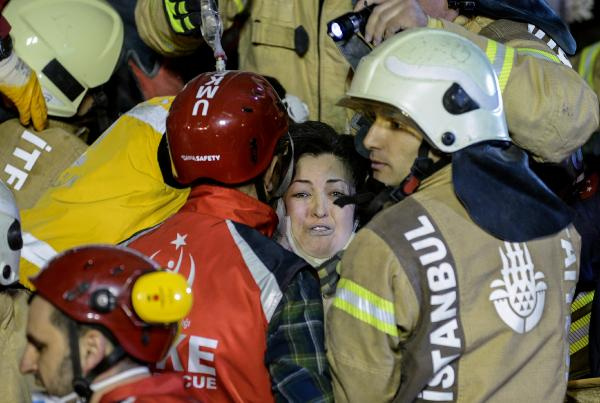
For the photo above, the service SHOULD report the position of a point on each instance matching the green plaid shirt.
(295, 353)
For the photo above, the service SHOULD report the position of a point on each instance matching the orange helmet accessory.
(93, 285)
(224, 127)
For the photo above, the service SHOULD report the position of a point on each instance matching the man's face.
(47, 353)
(392, 150)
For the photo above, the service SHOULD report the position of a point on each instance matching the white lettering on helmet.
(201, 158)
(206, 92)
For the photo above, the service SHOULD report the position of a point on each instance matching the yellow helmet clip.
(161, 297)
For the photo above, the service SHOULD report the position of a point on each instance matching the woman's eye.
(338, 194)
(300, 195)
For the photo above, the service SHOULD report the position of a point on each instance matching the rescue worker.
(100, 315)
(256, 328)
(526, 43)
(69, 59)
(292, 31)
(116, 186)
(13, 302)
(462, 290)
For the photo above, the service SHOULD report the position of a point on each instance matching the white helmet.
(73, 45)
(10, 237)
(437, 81)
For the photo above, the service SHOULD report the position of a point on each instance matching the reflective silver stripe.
(270, 294)
(154, 115)
(35, 251)
(365, 306)
(576, 335)
(498, 61)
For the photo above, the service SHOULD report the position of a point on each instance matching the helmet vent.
(117, 270)
(254, 150)
(6, 271)
(77, 291)
(247, 109)
(145, 338)
(88, 264)
(15, 241)
(456, 101)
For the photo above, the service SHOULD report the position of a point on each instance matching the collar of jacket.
(439, 178)
(231, 204)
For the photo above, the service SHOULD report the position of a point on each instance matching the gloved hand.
(20, 84)
(184, 16)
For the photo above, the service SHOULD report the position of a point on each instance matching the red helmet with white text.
(225, 126)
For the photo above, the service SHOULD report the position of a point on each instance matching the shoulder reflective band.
(579, 330)
(586, 64)
(63, 80)
(502, 59)
(366, 306)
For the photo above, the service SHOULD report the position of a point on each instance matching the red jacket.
(213, 242)
(164, 388)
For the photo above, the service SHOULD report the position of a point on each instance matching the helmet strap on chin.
(422, 168)
(82, 385)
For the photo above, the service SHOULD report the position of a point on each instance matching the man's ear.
(272, 175)
(93, 347)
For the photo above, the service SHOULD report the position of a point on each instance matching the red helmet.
(92, 284)
(225, 127)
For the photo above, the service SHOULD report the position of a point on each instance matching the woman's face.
(319, 227)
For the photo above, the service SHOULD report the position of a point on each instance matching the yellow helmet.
(72, 45)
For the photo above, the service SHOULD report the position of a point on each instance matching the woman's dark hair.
(317, 138)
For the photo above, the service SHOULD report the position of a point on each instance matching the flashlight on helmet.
(344, 26)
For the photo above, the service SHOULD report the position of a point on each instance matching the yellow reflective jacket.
(114, 190)
(431, 307)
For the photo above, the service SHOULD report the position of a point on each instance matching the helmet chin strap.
(82, 384)
(422, 168)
